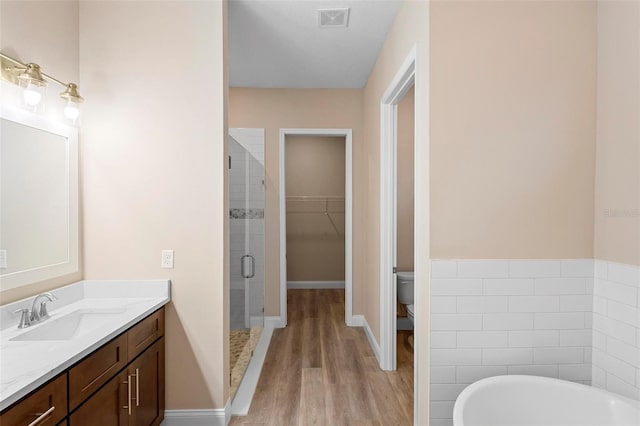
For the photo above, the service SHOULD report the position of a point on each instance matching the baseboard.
(356, 321)
(372, 340)
(211, 417)
(308, 285)
(274, 322)
(244, 395)
(256, 321)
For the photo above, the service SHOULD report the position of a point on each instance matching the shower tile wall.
(246, 204)
(494, 317)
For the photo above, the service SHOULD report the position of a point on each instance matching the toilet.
(405, 291)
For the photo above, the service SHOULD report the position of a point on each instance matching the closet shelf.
(314, 198)
(325, 210)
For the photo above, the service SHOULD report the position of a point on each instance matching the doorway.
(403, 82)
(404, 235)
(406, 78)
(326, 202)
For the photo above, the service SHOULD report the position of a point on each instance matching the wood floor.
(318, 371)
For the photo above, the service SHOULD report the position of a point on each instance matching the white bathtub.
(540, 401)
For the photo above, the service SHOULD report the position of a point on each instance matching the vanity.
(97, 359)
(89, 353)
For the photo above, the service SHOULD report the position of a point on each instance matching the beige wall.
(315, 166)
(410, 29)
(273, 109)
(513, 108)
(155, 176)
(45, 32)
(617, 203)
(405, 178)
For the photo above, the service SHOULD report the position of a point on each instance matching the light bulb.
(32, 95)
(72, 111)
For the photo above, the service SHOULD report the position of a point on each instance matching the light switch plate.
(167, 259)
(3, 259)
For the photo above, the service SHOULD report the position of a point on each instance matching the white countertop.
(26, 365)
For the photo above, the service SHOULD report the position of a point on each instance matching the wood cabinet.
(119, 384)
(96, 369)
(105, 407)
(48, 404)
(146, 374)
(143, 334)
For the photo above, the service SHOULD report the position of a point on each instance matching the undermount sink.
(72, 325)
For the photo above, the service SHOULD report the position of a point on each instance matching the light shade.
(33, 94)
(72, 111)
(73, 98)
(33, 85)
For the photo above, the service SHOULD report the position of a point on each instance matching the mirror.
(38, 199)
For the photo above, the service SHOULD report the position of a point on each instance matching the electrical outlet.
(3, 259)
(167, 259)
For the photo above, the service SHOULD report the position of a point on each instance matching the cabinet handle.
(128, 383)
(42, 416)
(137, 387)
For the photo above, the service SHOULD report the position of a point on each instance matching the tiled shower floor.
(241, 345)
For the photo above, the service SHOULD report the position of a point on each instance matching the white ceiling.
(277, 44)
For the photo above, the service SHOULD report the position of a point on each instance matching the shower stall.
(246, 218)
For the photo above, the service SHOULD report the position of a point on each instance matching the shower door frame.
(348, 219)
(258, 134)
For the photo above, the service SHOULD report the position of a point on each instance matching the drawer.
(147, 331)
(96, 369)
(107, 407)
(51, 398)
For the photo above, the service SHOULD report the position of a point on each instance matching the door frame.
(404, 79)
(348, 217)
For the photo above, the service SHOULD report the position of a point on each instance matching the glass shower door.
(246, 217)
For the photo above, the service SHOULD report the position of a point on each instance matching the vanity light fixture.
(34, 85)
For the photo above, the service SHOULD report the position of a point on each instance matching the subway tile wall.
(494, 317)
(616, 328)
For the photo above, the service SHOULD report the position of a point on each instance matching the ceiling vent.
(333, 18)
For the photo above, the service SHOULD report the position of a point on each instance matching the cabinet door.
(107, 407)
(48, 404)
(147, 377)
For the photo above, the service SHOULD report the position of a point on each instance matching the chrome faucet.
(41, 314)
(24, 318)
(35, 314)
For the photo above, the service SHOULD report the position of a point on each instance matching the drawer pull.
(137, 398)
(42, 416)
(137, 388)
(128, 383)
